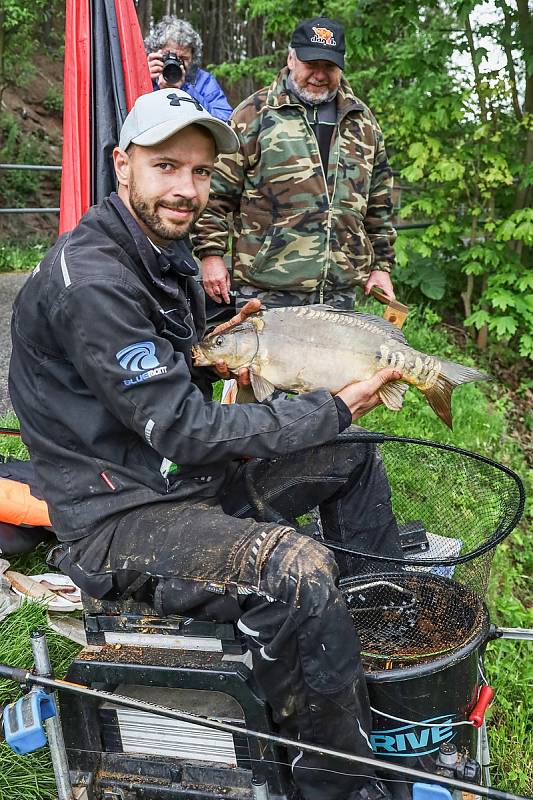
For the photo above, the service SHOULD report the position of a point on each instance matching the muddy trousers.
(211, 559)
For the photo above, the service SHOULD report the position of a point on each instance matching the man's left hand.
(243, 375)
(382, 280)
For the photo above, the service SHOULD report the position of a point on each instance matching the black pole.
(26, 678)
(9, 432)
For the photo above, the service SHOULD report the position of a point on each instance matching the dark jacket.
(101, 380)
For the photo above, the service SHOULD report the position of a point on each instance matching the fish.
(304, 348)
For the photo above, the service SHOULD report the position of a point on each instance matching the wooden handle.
(395, 312)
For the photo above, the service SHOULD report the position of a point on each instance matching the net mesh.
(403, 618)
(452, 507)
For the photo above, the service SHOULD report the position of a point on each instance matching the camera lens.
(173, 68)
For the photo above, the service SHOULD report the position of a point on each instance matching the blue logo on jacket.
(138, 357)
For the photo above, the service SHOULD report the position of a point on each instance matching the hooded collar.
(158, 262)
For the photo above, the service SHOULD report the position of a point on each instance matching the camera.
(173, 68)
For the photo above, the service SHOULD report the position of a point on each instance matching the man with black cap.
(144, 475)
(310, 189)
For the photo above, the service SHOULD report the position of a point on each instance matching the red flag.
(103, 77)
(135, 66)
(76, 172)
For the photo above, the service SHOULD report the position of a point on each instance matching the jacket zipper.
(330, 219)
(330, 199)
(325, 270)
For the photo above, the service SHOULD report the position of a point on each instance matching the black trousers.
(214, 560)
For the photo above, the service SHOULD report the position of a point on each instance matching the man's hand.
(155, 66)
(216, 279)
(382, 280)
(363, 396)
(250, 307)
(243, 375)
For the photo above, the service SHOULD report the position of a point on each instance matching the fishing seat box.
(197, 666)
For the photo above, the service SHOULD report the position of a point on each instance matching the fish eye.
(219, 341)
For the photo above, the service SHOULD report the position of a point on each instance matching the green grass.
(28, 777)
(21, 257)
(480, 425)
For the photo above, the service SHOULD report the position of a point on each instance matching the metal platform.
(200, 667)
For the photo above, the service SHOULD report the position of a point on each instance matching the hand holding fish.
(243, 374)
(363, 396)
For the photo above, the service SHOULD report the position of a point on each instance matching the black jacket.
(101, 380)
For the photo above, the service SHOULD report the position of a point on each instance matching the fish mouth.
(198, 357)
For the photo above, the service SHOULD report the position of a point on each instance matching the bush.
(19, 148)
(53, 102)
(22, 257)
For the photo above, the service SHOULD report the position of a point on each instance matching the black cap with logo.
(319, 39)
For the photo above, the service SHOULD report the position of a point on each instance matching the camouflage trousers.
(343, 299)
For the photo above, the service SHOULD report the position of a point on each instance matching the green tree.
(21, 25)
(460, 132)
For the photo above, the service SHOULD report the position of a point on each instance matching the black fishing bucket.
(422, 620)
(430, 698)
(422, 674)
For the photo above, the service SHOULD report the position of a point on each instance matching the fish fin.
(245, 394)
(392, 394)
(382, 324)
(262, 388)
(439, 396)
(458, 373)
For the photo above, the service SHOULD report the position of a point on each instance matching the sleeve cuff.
(345, 415)
(209, 251)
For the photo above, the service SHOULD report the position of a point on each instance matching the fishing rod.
(9, 432)
(26, 678)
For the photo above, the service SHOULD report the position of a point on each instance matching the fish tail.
(439, 395)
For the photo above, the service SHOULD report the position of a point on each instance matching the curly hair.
(172, 29)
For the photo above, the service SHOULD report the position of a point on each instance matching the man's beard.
(309, 97)
(148, 214)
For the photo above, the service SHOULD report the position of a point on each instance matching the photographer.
(174, 53)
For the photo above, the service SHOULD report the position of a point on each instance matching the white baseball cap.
(158, 115)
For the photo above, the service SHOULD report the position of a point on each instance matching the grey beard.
(309, 100)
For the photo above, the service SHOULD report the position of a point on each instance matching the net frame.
(503, 529)
(448, 612)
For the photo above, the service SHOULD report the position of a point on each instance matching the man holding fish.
(309, 190)
(102, 380)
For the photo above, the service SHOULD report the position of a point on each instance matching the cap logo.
(323, 36)
(177, 101)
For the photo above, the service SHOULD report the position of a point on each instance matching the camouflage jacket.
(293, 230)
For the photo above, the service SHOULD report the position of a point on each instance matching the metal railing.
(41, 167)
(55, 168)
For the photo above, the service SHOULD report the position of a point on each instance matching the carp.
(303, 348)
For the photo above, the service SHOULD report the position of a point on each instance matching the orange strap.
(19, 507)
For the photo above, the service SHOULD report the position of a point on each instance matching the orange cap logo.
(323, 36)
